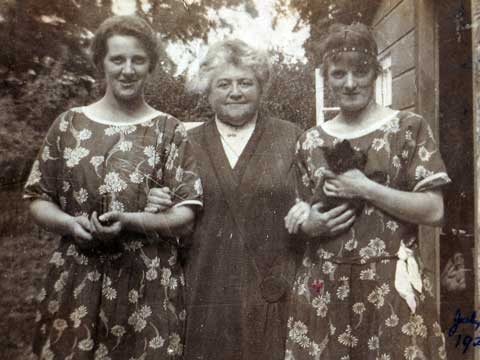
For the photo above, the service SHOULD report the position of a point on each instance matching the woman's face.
(126, 66)
(234, 94)
(352, 81)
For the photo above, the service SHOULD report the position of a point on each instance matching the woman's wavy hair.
(234, 52)
(340, 37)
(127, 25)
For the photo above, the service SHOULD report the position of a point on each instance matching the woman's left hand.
(351, 184)
(106, 226)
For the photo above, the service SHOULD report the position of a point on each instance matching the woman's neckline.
(361, 132)
(91, 116)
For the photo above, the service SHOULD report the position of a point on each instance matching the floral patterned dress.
(345, 303)
(124, 302)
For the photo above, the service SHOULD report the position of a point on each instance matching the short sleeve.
(44, 180)
(181, 174)
(425, 170)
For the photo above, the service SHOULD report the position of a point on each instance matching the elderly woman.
(114, 287)
(241, 262)
(363, 293)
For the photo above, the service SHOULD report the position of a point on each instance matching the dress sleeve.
(181, 174)
(44, 178)
(425, 170)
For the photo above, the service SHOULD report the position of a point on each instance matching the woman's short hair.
(234, 52)
(127, 25)
(340, 38)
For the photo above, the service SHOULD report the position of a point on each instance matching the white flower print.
(84, 134)
(182, 315)
(415, 327)
(137, 322)
(117, 206)
(113, 183)
(359, 308)
(166, 273)
(101, 353)
(125, 146)
(346, 357)
(112, 130)
(198, 187)
(133, 296)
(42, 295)
(437, 330)
(66, 186)
(312, 140)
(332, 328)
(60, 325)
(118, 331)
(320, 303)
(109, 293)
(322, 254)
(145, 311)
(343, 290)
(377, 296)
(392, 321)
(392, 126)
(81, 196)
(347, 339)
(77, 315)
(298, 333)
(61, 282)
(378, 144)
(57, 259)
(171, 157)
(86, 344)
(53, 306)
(175, 346)
(94, 276)
(373, 343)
(328, 267)
(73, 156)
(421, 172)
(408, 135)
(411, 353)
(35, 174)
(151, 274)
(385, 357)
(156, 342)
(96, 161)
(153, 156)
(351, 245)
(392, 225)
(424, 154)
(367, 274)
(136, 177)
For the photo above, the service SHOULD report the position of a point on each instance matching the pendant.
(273, 288)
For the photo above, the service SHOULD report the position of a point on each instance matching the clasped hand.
(98, 230)
(351, 184)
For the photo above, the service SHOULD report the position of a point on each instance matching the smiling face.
(126, 66)
(234, 94)
(352, 80)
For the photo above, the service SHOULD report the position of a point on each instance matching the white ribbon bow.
(407, 275)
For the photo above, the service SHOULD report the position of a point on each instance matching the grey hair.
(234, 52)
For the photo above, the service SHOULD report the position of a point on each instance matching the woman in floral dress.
(364, 293)
(114, 286)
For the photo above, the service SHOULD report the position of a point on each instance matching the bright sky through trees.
(258, 31)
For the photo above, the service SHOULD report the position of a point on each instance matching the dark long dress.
(126, 302)
(240, 240)
(345, 303)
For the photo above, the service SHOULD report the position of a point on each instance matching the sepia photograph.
(239, 179)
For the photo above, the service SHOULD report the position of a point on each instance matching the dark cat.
(341, 158)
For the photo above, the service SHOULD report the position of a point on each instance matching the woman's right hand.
(328, 223)
(158, 199)
(79, 228)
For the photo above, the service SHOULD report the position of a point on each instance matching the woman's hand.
(351, 184)
(80, 229)
(158, 199)
(328, 223)
(107, 226)
(296, 216)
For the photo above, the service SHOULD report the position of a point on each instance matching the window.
(383, 91)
